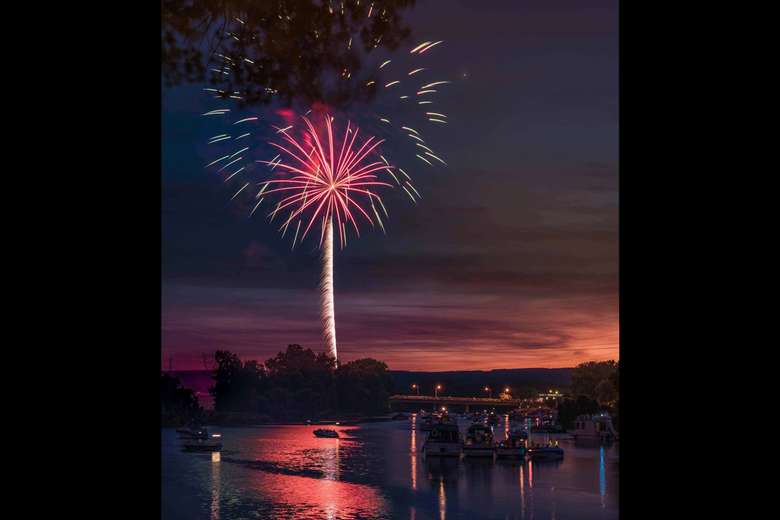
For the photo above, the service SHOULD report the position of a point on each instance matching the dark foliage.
(292, 49)
(178, 405)
(299, 384)
(569, 409)
(364, 386)
(597, 380)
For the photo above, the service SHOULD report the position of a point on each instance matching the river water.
(377, 471)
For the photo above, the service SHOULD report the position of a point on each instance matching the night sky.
(511, 258)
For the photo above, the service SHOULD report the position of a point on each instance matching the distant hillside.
(472, 382)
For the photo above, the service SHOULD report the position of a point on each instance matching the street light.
(436, 391)
(487, 390)
(416, 388)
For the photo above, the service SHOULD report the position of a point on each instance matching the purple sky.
(510, 260)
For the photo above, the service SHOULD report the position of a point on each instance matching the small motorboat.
(193, 433)
(549, 452)
(479, 441)
(322, 432)
(513, 447)
(443, 441)
(208, 444)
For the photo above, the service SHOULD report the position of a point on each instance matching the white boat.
(443, 441)
(479, 441)
(594, 427)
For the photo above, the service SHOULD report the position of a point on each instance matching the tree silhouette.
(257, 50)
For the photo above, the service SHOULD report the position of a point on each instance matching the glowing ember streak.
(435, 114)
(218, 112)
(396, 82)
(429, 85)
(429, 91)
(234, 174)
(437, 120)
(415, 71)
(410, 129)
(431, 46)
(246, 119)
(424, 159)
(419, 47)
(383, 64)
(239, 191)
(215, 162)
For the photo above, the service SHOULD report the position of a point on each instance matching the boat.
(595, 427)
(513, 446)
(322, 432)
(443, 441)
(479, 441)
(548, 452)
(193, 433)
(200, 444)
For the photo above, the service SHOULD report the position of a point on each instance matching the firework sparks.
(322, 180)
(325, 184)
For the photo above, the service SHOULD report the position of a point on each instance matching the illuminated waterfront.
(377, 471)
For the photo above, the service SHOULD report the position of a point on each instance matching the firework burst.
(328, 181)
(325, 179)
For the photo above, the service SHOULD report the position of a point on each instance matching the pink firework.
(328, 182)
(324, 186)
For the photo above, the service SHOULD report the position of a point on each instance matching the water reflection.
(442, 500)
(522, 492)
(373, 471)
(215, 485)
(413, 451)
(602, 476)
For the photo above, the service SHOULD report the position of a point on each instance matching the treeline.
(297, 385)
(178, 405)
(594, 388)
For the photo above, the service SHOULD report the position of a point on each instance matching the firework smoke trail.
(326, 290)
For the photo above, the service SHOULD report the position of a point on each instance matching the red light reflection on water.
(312, 498)
(307, 497)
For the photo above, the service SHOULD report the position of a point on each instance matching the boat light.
(216, 435)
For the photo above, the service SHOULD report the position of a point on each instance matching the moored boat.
(513, 446)
(322, 432)
(548, 452)
(479, 441)
(443, 441)
(595, 427)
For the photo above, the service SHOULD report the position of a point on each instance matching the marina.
(381, 470)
